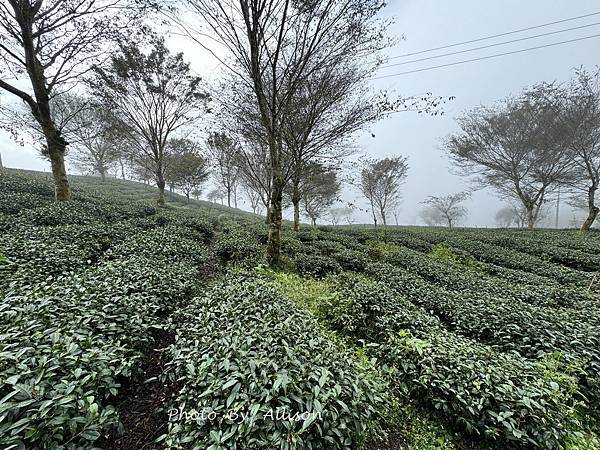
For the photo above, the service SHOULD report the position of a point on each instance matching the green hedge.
(243, 346)
(500, 396)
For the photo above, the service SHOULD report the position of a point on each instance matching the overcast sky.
(427, 24)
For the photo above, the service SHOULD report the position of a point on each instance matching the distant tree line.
(528, 147)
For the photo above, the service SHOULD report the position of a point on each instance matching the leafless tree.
(380, 182)
(216, 195)
(336, 215)
(254, 199)
(274, 45)
(580, 113)
(156, 96)
(517, 147)
(52, 43)
(431, 216)
(510, 215)
(449, 206)
(319, 188)
(226, 159)
(255, 172)
(187, 169)
(98, 140)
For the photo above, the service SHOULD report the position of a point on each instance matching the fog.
(425, 25)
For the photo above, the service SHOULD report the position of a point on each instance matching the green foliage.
(497, 395)
(315, 265)
(80, 296)
(446, 254)
(235, 244)
(243, 346)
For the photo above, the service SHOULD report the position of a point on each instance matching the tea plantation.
(126, 326)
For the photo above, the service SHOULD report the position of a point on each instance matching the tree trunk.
(530, 218)
(56, 152)
(187, 194)
(296, 202)
(103, 176)
(593, 210)
(314, 221)
(160, 182)
(122, 169)
(229, 197)
(382, 213)
(274, 242)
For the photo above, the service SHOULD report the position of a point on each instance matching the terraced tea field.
(127, 326)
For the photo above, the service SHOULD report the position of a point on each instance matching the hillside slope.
(127, 326)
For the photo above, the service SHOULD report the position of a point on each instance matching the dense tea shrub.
(315, 265)
(244, 347)
(500, 396)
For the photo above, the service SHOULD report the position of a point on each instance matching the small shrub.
(315, 265)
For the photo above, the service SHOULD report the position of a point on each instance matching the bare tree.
(380, 182)
(216, 195)
(52, 43)
(431, 216)
(336, 215)
(226, 158)
(275, 45)
(449, 206)
(580, 113)
(98, 139)
(516, 147)
(255, 172)
(319, 188)
(510, 215)
(254, 199)
(156, 96)
(187, 168)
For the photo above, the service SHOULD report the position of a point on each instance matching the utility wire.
(490, 45)
(496, 35)
(486, 57)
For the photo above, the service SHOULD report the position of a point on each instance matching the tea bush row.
(500, 396)
(244, 347)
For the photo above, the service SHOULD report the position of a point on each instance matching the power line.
(490, 45)
(486, 57)
(496, 35)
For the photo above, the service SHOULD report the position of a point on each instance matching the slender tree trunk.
(593, 210)
(296, 202)
(274, 242)
(268, 215)
(229, 197)
(56, 152)
(382, 212)
(122, 169)
(103, 175)
(187, 194)
(314, 221)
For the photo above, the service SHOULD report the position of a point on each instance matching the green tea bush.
(315, 265)
(499, 396)
(14, 202)
(235, 244)
(11, 182)
(352, 260)
(511, 326)
(244, 347)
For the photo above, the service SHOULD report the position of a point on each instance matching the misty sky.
(432, 23)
